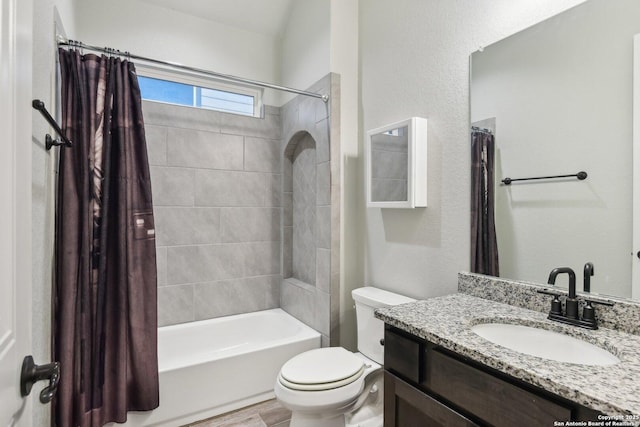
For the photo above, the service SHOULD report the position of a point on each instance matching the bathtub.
(214, 366)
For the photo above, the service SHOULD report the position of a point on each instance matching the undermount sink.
(545, 344)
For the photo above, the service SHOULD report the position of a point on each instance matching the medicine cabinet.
(396, 165)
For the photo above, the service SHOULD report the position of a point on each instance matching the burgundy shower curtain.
(484, 244)
(105, 324)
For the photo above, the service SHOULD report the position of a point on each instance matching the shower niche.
(301, 205)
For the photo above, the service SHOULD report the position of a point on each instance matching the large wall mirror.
(558, 99)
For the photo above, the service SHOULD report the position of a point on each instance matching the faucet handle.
(589, 311)
(556, 305)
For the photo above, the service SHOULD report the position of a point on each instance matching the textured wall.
(149, 30)
(304, 46)
(414, 61)
(216, 195)
(345, 62)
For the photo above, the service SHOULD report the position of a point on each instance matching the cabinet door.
(406, 406)
(493, 400)
(402, 356)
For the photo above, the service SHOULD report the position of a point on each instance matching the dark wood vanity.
(428, 385)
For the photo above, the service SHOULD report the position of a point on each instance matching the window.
(194, 91)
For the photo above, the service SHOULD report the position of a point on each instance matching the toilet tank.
(370, 329)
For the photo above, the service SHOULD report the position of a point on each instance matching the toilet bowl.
(337, 384)
(333, 387)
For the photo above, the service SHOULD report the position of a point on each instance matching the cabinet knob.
(381, 341)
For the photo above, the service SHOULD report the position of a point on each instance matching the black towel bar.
(49, 141)
(580, 175)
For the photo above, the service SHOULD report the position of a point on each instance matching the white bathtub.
(215, 366)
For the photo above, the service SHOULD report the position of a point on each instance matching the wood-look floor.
(265, 414)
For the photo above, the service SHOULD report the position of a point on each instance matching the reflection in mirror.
(484, 245)
(558, 98)
(396, 165)
(389, 165)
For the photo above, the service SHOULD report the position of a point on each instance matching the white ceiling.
(259, 16)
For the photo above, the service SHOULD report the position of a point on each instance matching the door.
(15, 206)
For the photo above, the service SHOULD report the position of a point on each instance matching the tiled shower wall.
(216, 181)
(307, 122)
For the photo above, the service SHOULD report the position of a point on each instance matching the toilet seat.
(321, 369)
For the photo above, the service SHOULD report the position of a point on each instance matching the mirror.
(390, 165)
(396, 165)
(558, 99)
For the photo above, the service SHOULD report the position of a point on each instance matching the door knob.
(32, 373)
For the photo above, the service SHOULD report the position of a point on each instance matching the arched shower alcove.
(300, 244)
(310, 287)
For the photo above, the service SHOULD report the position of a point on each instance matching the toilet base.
(368, 412)
(299, 420)
(308, 420)
(372, 422)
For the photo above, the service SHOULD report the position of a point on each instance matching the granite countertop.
(447, 321)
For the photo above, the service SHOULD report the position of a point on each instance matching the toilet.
(333, 387)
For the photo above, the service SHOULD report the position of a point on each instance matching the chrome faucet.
(588, 272)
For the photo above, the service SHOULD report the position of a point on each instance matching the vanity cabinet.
(427, 385)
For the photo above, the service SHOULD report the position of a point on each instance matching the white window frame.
(205, 82)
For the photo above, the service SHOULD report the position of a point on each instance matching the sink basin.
(545, 344)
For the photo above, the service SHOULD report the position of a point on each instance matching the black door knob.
(638, 254)
(32, 373)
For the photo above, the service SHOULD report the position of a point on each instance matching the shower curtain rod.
(479, 129)
(74, 43)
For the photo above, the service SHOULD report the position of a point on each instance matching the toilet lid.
(321, 369)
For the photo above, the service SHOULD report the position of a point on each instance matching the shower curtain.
(484, 244)
(105, 324)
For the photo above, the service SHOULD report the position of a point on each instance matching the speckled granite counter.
(623, 315)
(447, 321)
